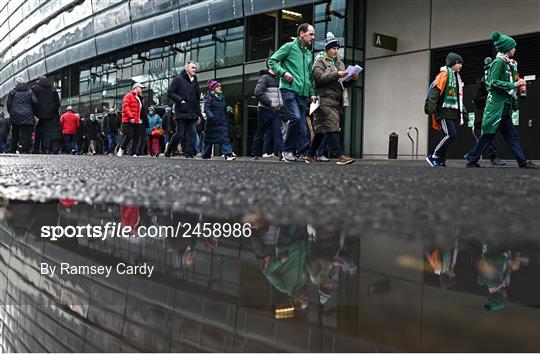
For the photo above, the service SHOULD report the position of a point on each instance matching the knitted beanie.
(212, 84)
(330, 41)
(503, 43)
(453, 58)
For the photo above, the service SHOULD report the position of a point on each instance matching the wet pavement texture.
(377, 256)
(373, 196)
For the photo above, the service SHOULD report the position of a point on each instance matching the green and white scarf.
(453, 98)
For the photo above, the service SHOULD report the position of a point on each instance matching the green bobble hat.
(453, 58)
(503, 43)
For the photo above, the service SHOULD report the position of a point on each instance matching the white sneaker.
(230, 158)
(120, 152)
(289, 157)
(323, 158)
(134, 155)
(266, 156)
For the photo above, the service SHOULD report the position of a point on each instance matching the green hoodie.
(297, 61)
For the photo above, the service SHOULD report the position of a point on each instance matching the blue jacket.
(154, 121)
(216, 129)
(183, 89)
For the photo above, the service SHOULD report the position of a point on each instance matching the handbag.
(157, 132)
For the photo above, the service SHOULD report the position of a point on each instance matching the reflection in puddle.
(277, 287)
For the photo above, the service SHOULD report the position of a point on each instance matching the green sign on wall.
(385, 42)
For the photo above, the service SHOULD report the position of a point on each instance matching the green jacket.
(297, 61)
(500, 82)
(292, 274)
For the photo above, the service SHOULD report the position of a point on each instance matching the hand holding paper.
(357, 69)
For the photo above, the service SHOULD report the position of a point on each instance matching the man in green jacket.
(292, 63)
(503, 84)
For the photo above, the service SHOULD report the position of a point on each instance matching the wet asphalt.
(403, 197)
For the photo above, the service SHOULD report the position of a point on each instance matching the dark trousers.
(449, 135)
(267, 120)
(185, 134)
(131, 133)
(70, 143)
(509, 133)
(332, 139)
(21, 134)
(38, 136)
(491, 149)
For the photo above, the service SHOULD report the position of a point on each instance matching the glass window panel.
(82, 51)
(261, 36)
(111, 18)
(99, 5)
(167, 24)
(291, 18)
(158, 92)
(96, 103)
(111, 41)
(194, 16)
(84, 105)
(252, 7)
(79, 12)
(230, 46)
(329, 17)
(223, 10)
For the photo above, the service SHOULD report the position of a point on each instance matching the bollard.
(392, 146)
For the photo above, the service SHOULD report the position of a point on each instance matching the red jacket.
(131, 108)
(69, 123)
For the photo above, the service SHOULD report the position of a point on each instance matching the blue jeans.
(295, 106)
(267, 122)
(509, 133)
(111, 141)
(198, 143)
(226, 149)
(323, 148)
(266, 141)
(70, 143)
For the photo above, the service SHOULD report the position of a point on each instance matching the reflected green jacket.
(292, 274)
(297, 61)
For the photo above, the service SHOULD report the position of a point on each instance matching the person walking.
(445, 103)
(292, 63)
(5, 128)
(216, 130)
(21, 112)
(184, 91)
(131, 119)
(69, 124)
(503, 84)
(479, 101)
(46, 108)
(327, 70)
(168, 124)
(92, 133)
(154, 132)
(111, 125)
(268, 118)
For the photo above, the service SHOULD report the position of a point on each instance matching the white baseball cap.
(137, 85)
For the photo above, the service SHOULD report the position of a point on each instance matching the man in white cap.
(131, 119)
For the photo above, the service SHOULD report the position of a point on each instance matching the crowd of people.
(290, 84)
(285, 130)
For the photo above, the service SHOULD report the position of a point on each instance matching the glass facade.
(230, 43)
